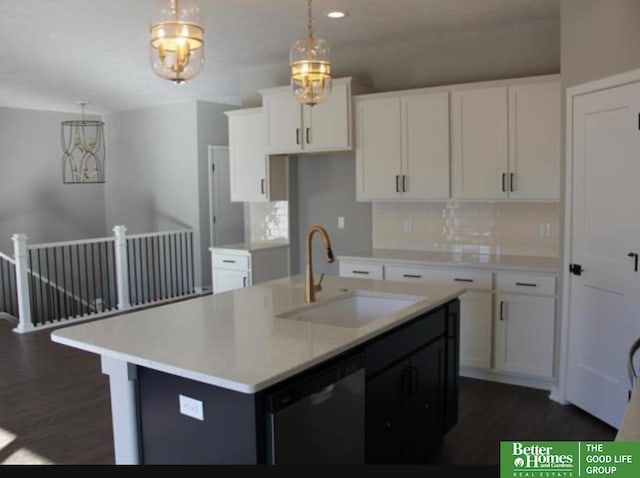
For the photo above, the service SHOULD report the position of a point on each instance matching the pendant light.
(83, 150)
(177, 40)
(310, 67)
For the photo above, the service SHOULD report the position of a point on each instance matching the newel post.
(21, 256)
(122, 268)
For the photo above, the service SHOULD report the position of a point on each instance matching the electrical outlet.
(191, 407)
(408, 225)
(341, 222)
(545, 229)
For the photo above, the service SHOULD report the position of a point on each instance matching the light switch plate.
(341, 222)
(191, 407)
(408, 225)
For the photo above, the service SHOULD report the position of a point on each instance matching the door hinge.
(575, 269)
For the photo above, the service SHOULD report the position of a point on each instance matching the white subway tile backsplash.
(487, 227)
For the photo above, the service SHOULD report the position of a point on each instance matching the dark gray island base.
(389, 400)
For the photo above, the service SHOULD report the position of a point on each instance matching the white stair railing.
(80, 280)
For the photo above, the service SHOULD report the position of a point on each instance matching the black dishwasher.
(319, 419)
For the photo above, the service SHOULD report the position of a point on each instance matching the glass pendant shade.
(310, 67)
(177, 40)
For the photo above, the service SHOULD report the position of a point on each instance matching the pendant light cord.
(309, 20)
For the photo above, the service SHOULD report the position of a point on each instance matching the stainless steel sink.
(352, 309)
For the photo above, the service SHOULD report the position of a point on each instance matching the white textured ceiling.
(55, 52)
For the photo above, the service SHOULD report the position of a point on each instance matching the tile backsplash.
(530, 229)
(269, 221)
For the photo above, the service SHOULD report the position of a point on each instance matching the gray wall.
(33, 199)
(326, 190)
(213, 129)
(599, 38)
(152, 183)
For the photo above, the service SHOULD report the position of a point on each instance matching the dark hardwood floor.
(54, 408)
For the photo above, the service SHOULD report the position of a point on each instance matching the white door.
(248, 161)
(475, 329)
(227, 218)
(534, 164)
(283, 116)
(604, 318)
(480, 131)
(224, 280)
(525, 328)
(326, 125)
(378, 149)
(425, 165)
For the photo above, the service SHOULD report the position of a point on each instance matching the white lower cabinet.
(224, 280)
(525, 328)
(475, 329)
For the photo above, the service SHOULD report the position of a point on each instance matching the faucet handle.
(318, 286)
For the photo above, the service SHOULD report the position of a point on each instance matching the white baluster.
(122, 270)
(22, 282)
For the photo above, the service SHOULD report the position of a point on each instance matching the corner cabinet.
(402, 147)
(254, 176)
(506, 142)
(294, 128)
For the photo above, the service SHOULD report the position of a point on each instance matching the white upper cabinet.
(506, 142)
(295, 128)
(253, 176)
(534, 146)
(402, 147)
(480, 154)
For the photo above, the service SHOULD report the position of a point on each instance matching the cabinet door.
(378, 149)
(425, 418)
(534, 146)
(247, 159)
(283, 117)
(224, 280)
(327, 126)
(525, 334)
(475, 329)
(425, 162)
(385, 407)
(480, 143)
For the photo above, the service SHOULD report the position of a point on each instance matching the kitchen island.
(228, 355)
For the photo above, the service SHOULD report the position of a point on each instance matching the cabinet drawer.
(359, 270)
(231, 261)
(526, 283)
(469, 278)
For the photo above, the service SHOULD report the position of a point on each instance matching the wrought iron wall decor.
(83, 150)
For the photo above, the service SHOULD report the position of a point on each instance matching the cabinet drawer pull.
(463, 280)
(226, 261)
(412, 276)
(364, 273)
(526, 284)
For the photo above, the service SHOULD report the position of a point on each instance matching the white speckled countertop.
(458, 259)
(234, 340)
(248, 246)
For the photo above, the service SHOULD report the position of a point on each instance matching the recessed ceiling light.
(337, 14)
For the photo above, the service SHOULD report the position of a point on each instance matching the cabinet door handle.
(244, 282)
(308, 135)
(457, 279)
(364, 273)
(297, 135)
(634, 255)
(228, 261)
(262, 183)
(504, 182)
(397, 183)
(404, 183)
(412, 276)
(512, 178)
(526, 284)
(502, 310)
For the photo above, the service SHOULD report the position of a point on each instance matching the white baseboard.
(492, 376)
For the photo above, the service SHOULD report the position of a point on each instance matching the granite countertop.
(630, 427)
(459, 259)
(234, 340)
(249, 246)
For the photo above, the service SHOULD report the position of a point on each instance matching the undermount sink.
(352, 309)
